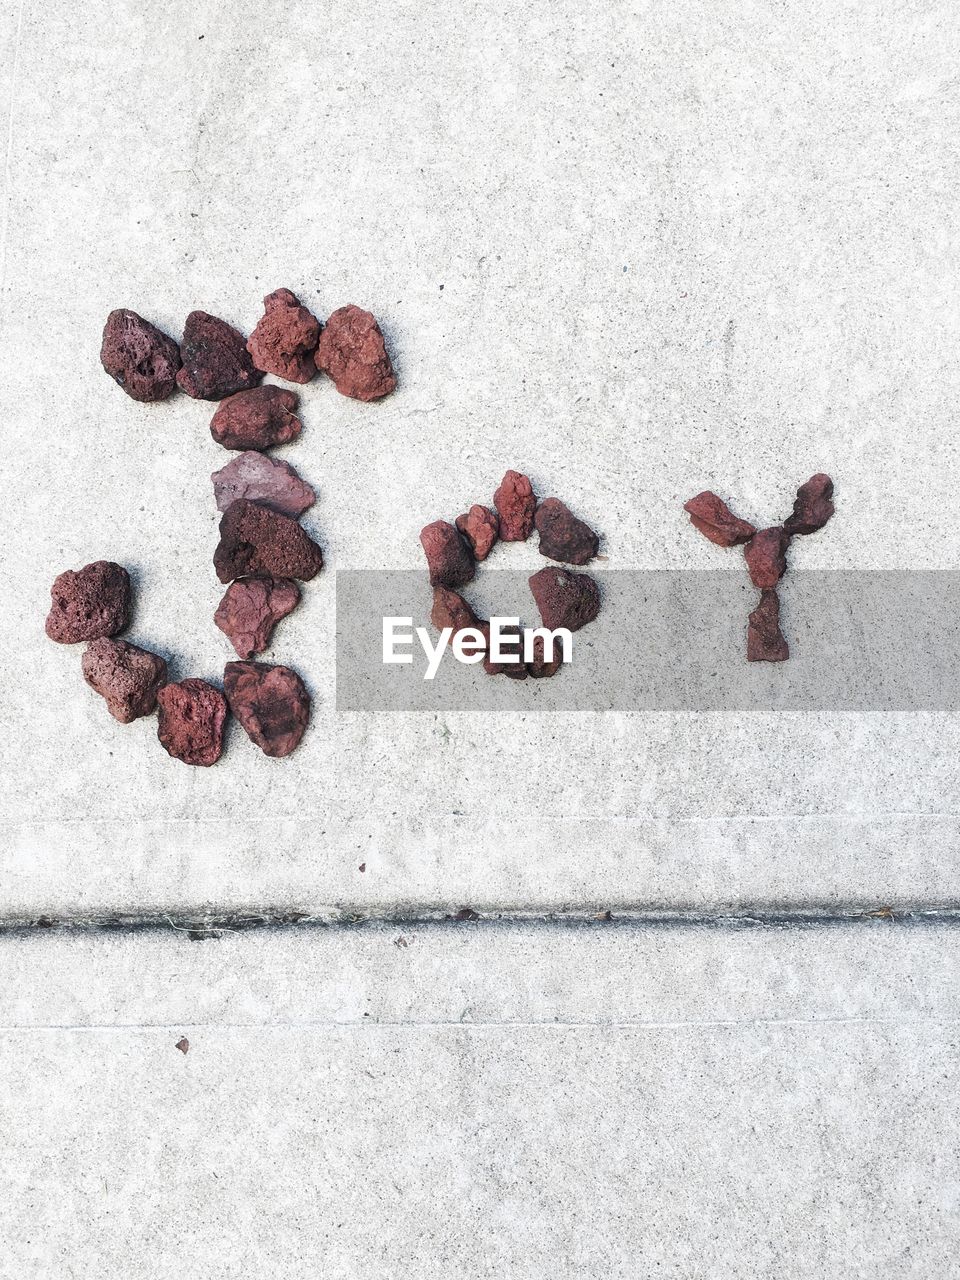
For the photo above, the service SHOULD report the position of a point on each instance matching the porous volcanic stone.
(766, 557)
(451, 610)
(128, 678)
(562, 535)
(271, 703)
(215, 359)
(285, 339)
(353, 353)
(256, 540)
(513, 670)
(251, 608)
(264, 480)
(516, 504)
(565, 599)
(480, 527)
(89, 603)
(449, 558)
(765, 640)
(192, 715)
(813, 507)
(139, 357)
(539, 668)
(257, 419)
(711, 515)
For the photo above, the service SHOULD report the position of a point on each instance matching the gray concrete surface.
(636, 250)
(482, 1101)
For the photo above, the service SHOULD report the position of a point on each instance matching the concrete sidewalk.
(638, 252)
(476, 1100)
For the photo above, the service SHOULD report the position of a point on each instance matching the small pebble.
(256, 540)
(516, 504)
(449, 559)
(215, 359)
(270, 702)
(89, 603)
(353, 354)
(126, 677)
(258, 419)
(141, 359)
(285, 339)
(192, 715)
(251, 608)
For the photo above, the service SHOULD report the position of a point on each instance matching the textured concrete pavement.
(479, 1100)
(637, 251)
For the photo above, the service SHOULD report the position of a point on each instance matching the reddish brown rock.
(513, 670)
(251, 608)
(716, 521)
(451, 610)
(257, 419)
(140, 359)
(128, 678)
(562, 535)
(264, 480)
(449, 558)
(215, 359)
(191, 720)
(765, 640)
(565, 599)
(256, 540)
(352, 352)
(89, 603)
(813, 507)
(285, 339)
(766, 557)
(516, 505)
(539, 668)
(480, 527)
(271, 703)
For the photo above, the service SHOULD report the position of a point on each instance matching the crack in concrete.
(213, 924)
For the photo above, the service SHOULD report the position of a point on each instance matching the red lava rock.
(812, 508)
(765, 640)
(256, 540)
(257, 419)
(286, 337)
(766, 557)
(140, 359)
(271, 703)
(562, 535)
(183, 1045)
(480, 527)
(353, 353)
(450, 560)
(89, 603)
(192, 716)
(451, 610)
(251, 608)
(514, 670)
(128, 678)
(516, 504)
(565, 599)
(539, 668)
(264, 480)
(216, 362)
(716, 521)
